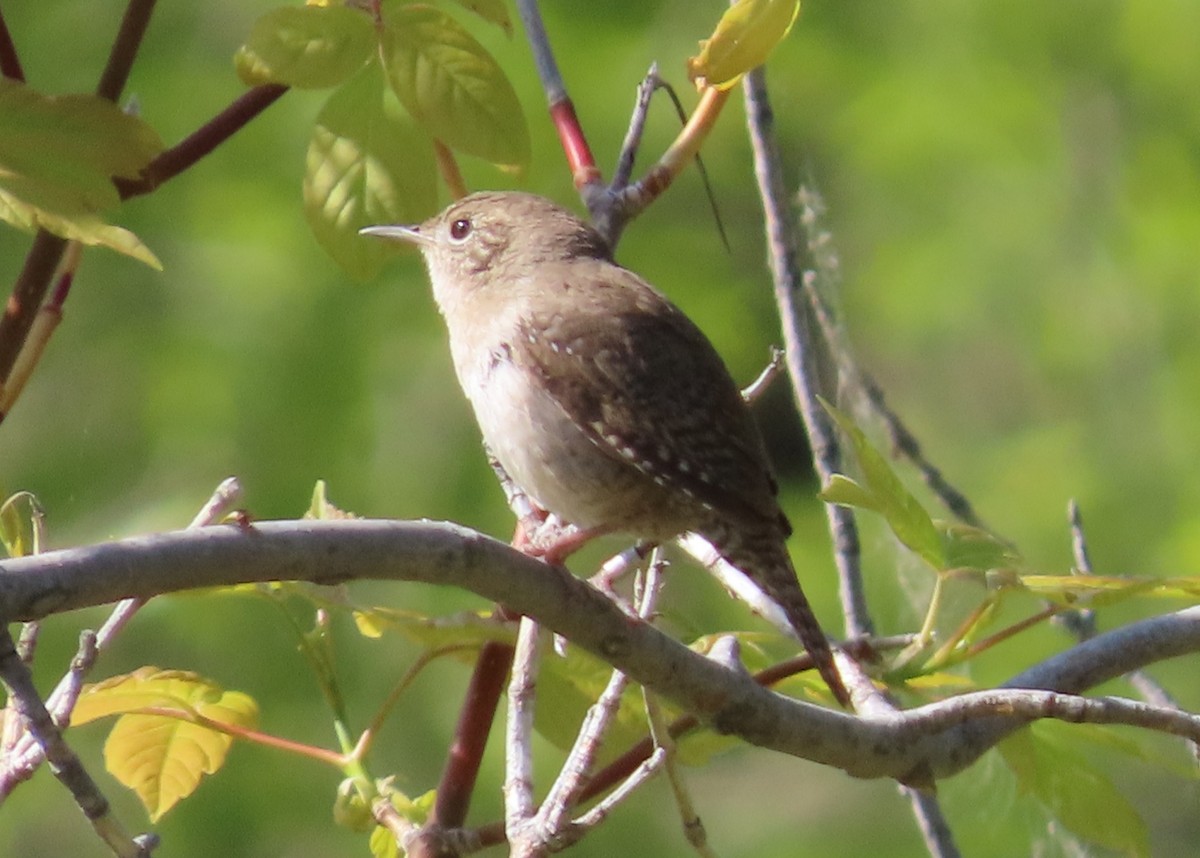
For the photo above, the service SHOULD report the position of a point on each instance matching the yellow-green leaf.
(1106, 590)
(883, 492)
(321, 509)
(745, 36)
(367, 164)
(60, 153)
(466, 629)
(972, 547)
(163, 758)
(85, 228)
(382, 843)
(416, 811)
(1079, 795)
(308, 47)
(452, 85)
(20, 529)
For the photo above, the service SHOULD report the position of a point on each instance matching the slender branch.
(470, 735)
(44, 324)
(10, 62)
(518, 752)
(802, 348)
(935, 830)
(65, 764)
(562, 111)
(552, 823)
(447, 166)
(26, 299)
(124, 49)
(171, 162)
(338, 551)
(903, 442)
(1082, 622)
(637, 125)
(62, 699)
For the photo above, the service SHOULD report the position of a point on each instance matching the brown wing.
(649, 389)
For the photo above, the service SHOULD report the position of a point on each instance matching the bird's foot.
(554, 541)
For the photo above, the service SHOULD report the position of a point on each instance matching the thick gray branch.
(930, 741)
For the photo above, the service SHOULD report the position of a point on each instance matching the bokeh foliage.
(1013, 188)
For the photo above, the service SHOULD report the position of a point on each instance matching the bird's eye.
(460, 229)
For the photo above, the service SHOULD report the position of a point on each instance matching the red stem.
(470, 736)
(10, 63)
(26, 297)
(579, 155)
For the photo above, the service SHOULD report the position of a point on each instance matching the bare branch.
(64, 763)
(802, 348)
(337, 551)
(518, 752)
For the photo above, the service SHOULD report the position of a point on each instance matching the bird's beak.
(410, 234)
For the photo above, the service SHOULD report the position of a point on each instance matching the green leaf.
(465, 629)
(84, 228)
(745, 36)
(163, 758)
(308, 47)
(492, 11)
(20, 529)
(1073, 789)
(970, 547)
(61, 153)
(452, 85)
(58, 157)
(1098, 590)
(885, 494)
(367, 164)
(321, 509)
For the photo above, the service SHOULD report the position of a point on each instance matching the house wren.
(602, 401)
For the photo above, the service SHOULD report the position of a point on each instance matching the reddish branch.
(580, 160)
(171, 162)
(124, 49)
(471, 734)
(26, 297)
(10, 63)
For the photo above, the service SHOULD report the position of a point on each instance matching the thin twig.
(650, 84)
(803, 353)
(44, 325)
(63, 762)
(10, 62)
(935, 829)
(171, 162)
(902, 441)
(522, 691)
(1082, 622)
(637, 126)
(62, 699)
(562, 111)
(664, 740)
(552, 820)
(23, 304)
(124, 49)
(756, 388)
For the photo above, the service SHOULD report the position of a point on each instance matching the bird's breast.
(552, 458)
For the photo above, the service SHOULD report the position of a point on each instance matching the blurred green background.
(1014, 189)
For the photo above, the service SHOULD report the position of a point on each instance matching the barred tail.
(765, 561)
